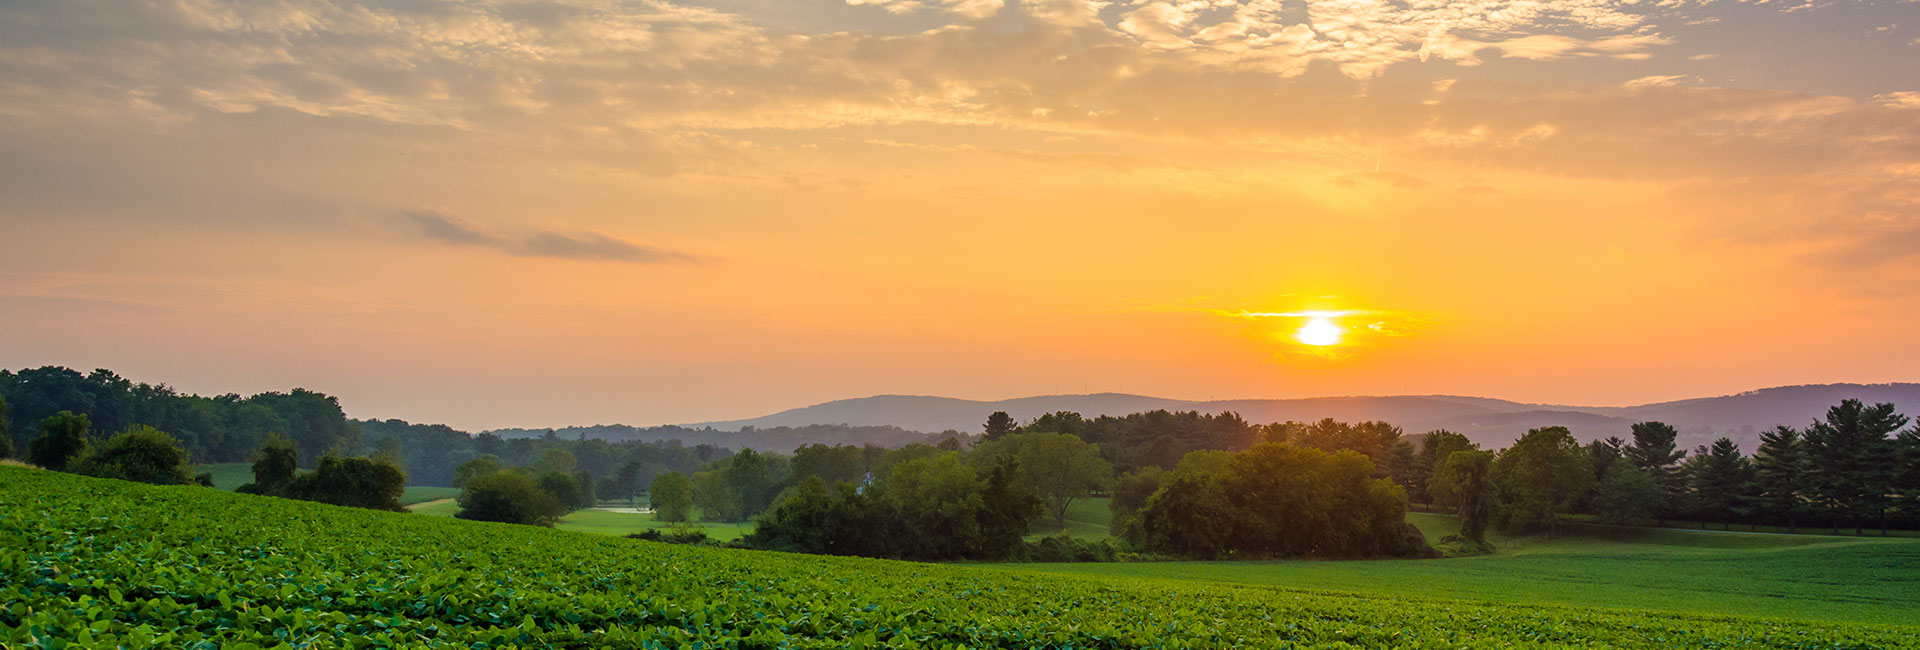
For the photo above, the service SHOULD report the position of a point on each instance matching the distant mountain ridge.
(1488, 421)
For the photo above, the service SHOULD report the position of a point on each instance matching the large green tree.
(1852, 453)
(1435, 447)
(1061, 468)
(1461, 483)
(672, 497)
(1543, 474)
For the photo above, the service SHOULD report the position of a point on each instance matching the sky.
(496, 213)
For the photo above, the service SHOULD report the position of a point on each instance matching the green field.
(1865, 580)
(227, 476)
(1086, 519)
(600, 522)
(98, 563)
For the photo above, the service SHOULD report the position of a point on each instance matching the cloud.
(595, 246)
(444, 228)
(447, 229)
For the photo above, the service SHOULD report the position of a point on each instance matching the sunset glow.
(672, 211)
(1319, 331)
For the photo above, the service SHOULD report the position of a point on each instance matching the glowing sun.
(1319, 331)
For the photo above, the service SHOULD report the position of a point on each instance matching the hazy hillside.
(1488, 421)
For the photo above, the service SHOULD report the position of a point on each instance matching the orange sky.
(548, 213)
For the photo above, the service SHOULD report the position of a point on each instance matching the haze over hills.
(1487, 421)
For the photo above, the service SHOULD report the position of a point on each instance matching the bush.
(676, 535)
(275, 466)
(374, 483)
(1062, 548)
(510, 498)
(141, 453)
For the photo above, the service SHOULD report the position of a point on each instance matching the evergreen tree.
(1604, 453)
(1655, 450)
(1852, 456)
(999, 424)
(1721, 482)
(1627, 496)
(1781, 474)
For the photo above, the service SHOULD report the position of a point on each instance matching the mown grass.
(1864, 580)
(1086, 519)
(601, 522)
(227, 476)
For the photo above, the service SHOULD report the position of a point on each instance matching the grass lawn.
(424, 493)
(1086, 519)
(227, 476)
(601, 522)
(1804, 577)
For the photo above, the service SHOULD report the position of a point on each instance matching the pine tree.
(1655, 451)
(1853, 465)
(1721, 480)
(1781, 473)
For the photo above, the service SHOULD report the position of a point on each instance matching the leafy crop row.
(95, 563)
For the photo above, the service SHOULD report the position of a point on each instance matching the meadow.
(601, 522)
(93, 562)
(1805, 577)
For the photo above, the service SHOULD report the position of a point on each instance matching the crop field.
(94, 563)
(1864, 580)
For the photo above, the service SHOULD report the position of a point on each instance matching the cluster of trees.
(781, 439)
(218, 429)
(371, 482)
(432, 454)
(139, 453)
(1856, 467)
(934, 507)
(223, 428)
(538, 493)
(1273, 500)
(1151, 439)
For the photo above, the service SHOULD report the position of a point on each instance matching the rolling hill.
(1487, 421)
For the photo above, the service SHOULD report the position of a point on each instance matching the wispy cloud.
(443, 228)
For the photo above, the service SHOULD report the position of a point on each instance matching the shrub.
(510, 498)
(374, 483)
(141, 453)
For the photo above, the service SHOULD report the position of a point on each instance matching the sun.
(1319, 331)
